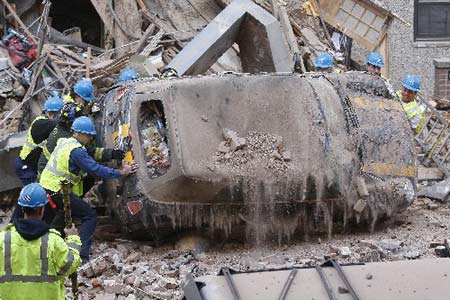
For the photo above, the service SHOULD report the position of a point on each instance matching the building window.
(432, 20)
(361, 20)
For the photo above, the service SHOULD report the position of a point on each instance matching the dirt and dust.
(132, 270)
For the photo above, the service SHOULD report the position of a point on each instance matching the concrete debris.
(359, 206)
(223, 148)
(311, 39)
(429, 174)
(390, 245)
(258, 149)
(438, 191)
(441, 249)
(343, 290)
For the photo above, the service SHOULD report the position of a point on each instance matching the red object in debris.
(134, 206)
(50, 201)
(21, 53)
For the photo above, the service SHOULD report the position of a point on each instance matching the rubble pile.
(131, 270)
(54, 62)
(156, 150)
(245, 155)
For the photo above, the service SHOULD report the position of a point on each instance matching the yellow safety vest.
(57, 168)
(68, 99)
(36, 269)
(30, 145)
(412, 110)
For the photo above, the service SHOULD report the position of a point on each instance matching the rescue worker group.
(59, 164)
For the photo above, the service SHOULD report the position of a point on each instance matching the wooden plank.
(104, 13)
(88, 62)
(29, 93)
(71, 54)
(429, 174)
(384, 50)
(142, 42)
(60, 75)
(329, 10)
(129, 16)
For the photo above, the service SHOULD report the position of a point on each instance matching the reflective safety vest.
(68, 99)
(30, 145)
(36, 269)
(414, 113)
(57, 168)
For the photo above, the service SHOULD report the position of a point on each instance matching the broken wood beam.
(28, 94)
(58, 37)
(143, 8)
(71, 54)
(60, 74)
(88, 62)
(142, 42)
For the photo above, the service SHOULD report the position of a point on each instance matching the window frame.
(416, 23)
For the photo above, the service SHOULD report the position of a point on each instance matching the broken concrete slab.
(438, 191)
(258, 34)
(429, 174)
(311, 38)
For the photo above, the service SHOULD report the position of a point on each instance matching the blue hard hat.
(84, 89)
(128, 74)
(54, 103)
(376, 59)
(32, 195)
(412, 83)
(84, 125)
(323, 61)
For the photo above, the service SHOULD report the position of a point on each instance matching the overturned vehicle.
(282, 153)
(274, 154)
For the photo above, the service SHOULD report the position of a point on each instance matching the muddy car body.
(351, 153)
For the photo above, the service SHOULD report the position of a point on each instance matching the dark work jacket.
(40, 131)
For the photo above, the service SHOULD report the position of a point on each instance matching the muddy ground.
(123, 269)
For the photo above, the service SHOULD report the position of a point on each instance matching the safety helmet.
(70, 112)
(84, 125)
(412, 83)
(128, 74)
(323, 61)
(32, 195)
(376, 59)
(84, 89)
(54, 104)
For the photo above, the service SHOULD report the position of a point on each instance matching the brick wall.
(441, 78)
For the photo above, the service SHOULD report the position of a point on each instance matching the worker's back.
(34, 261)
(60, 131)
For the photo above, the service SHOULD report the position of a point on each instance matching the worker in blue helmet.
(375, 62)
(83, 94)
(411, 106)
(36, 258)
(70, 161)
(128, 74)
(69, 113)
(37, 134)
(324, 63)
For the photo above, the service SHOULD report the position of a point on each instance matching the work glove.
(128, 170)
(118, 154)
